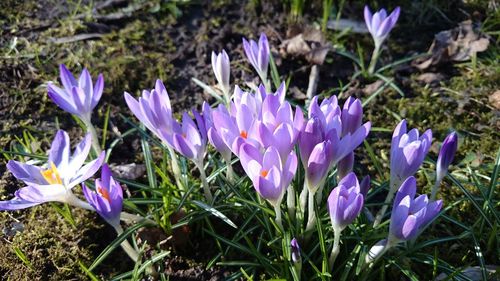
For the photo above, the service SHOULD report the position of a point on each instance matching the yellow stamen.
(52, 175)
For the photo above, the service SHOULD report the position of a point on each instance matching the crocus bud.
(364, 186)
(107, 199)
(258, 54)
(220, 66)
(345, 165)
(380, 24)
(376, 251)
(410, 215)
(296, 258)
(77, 97)
(352, 115)
(345, 202)
(446, 155)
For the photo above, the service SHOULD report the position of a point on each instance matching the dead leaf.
(454, 45)
(128, 171)
(373, 87)
(494, 99)
(430, 77)
(308, 43)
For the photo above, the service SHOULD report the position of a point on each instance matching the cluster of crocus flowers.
(53, 181)
(78, 97)
(329, 135)
(379, 25)
(409, 217)
(188, 137)
(408, 151)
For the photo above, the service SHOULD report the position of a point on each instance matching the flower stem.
(175, 168)
(388, 198)
(290, 202)
(229, 169)
(435, 189)
(313, 82)
(311, 221)
(93, 134)
(303, 200)
(373, 61)
(128, 217)
(131, 252)
(277, 211)
(204, 182)
(335, 249)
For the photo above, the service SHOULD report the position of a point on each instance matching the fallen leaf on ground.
(373, 87)
(308, 43)
(430, 77)
(494, 99)
(454, 45)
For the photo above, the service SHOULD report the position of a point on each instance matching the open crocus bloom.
(107, 199)
(269, 176)
(78, 97)
(53, 181)
(410, 215)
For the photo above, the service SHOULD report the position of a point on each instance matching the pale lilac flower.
(269, 175)
(107, 198)
(446, 155)
(53, 181)
(410, 215)
(258, 54)
(220, 66)
(380, 24)
(79, 97)
(408, 151)
(213, 134)
(345, 202)
(154, 110)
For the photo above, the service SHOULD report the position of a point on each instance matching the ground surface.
(134, 44)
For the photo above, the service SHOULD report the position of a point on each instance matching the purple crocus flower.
(213, 134)
(410, 215)
(189, 138)
(446, 155)
(53, 181)
(352, 116)
(322, 143)
(154, 110)
(258, 54)
(364, 186)
(294, 245)
(77, 97)
(269, 175)
(380, 24)
(408, 151)
(345, 202)
(107, 199)
(220, 66)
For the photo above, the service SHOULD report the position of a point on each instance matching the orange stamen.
(51, 175)
(264, 173)
(244, 134)
(103, 192)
